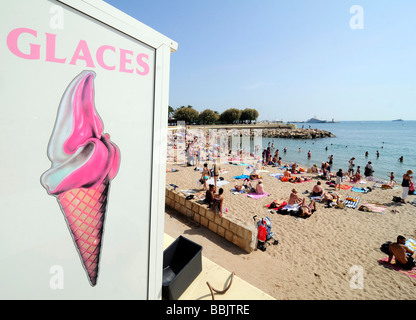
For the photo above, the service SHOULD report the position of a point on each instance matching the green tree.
(208, 117)
(187, 114)
(249, 115)
(171, 112)
(231, 115)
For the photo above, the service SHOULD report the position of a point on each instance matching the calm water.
(353, 138)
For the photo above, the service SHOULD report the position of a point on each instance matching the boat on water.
(398, 120)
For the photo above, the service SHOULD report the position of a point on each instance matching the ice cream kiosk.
(84, 112)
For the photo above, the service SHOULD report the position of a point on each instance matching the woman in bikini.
(205, 175)
(305, 211)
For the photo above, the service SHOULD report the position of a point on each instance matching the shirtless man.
(399, 250)
(317, 190)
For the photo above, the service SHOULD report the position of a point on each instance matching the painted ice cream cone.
(84, 161)
(84, 210)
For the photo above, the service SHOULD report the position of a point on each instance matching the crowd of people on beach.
(199, 148)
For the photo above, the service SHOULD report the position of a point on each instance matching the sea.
(392, 139)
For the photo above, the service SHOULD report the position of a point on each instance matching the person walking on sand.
(403, 255)
(340, 174)
(406, 184)
(205, 175)
(216, 170)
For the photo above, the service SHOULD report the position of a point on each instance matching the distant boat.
(398, 120)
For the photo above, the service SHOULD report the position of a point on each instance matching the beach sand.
(332, 255)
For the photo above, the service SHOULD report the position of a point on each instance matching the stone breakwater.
(296, 133)
(286, 131)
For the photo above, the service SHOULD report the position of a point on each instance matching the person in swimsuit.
(294, 198)
(209, 195)
(402, 254)
(205, 175)
(217, 206)
(406, 184)
(305, 211)
(317, 190)
(216, 169)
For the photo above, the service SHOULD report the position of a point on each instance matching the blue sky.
(290, 60)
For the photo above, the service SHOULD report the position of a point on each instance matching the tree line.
(208, 116)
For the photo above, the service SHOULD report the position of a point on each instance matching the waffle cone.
(84, 210)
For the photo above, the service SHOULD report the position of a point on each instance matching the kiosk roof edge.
(106, 13)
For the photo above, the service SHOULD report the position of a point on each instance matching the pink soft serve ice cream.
(84, 161)
(81, 155)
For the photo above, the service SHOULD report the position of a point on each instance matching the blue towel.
(243, 176)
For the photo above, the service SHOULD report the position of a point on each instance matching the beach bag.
(411, 187)
(262, 233)
(261, 237)
(385, 247)
(397, 199)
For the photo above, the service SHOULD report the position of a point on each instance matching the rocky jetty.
(296, 133)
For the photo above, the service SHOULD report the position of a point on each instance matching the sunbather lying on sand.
(306, 211)
(330, 197)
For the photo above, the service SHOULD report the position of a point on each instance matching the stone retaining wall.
(238, 232)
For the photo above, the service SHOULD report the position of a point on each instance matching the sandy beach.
(331, 255)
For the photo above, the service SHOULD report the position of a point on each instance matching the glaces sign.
(32, 45)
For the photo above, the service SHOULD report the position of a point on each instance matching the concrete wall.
(239, 233)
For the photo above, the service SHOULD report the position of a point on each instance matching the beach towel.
(277, 175)
(241, 177)
(362, 190)
(281, 206)
(392, 265)
(189, 191)
(345, 187)
(307, 180)
(375, 207)
(219, 182)
(316, 198)
(411, 244)
(352, 202)
(257, 196)
(291, 207)
(235, 191)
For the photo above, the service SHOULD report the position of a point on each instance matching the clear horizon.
(349, 60)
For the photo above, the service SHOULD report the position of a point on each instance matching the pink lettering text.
(26, 44)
